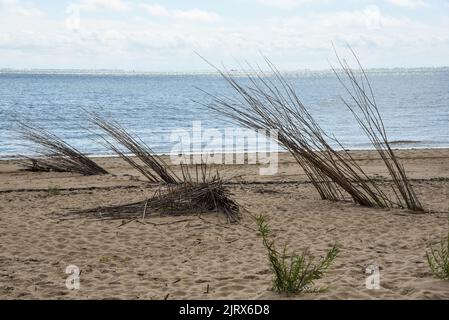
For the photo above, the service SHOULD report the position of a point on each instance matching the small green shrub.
(295, 273)
(438, 259)
(53, 191)
(104, 259)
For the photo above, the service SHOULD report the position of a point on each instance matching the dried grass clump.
(205, 194)
(365, 110)
(195, 192)
(270, 103)
(55, 154)
(154, 168)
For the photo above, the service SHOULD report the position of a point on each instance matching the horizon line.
(199, 72)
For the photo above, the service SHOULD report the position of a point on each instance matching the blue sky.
(163, 35)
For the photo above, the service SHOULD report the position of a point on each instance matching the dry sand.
(183, 256)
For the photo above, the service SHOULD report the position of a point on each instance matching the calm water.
(414, 105)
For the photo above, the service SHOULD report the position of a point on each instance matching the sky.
(147, 35)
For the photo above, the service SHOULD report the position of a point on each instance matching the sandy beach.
(203, 257)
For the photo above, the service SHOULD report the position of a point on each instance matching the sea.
(414, 104)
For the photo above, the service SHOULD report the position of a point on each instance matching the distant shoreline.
(107, 72)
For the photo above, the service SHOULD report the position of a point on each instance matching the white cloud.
(74, 10)
(156, 10)
(371, 18)
(16, 7)
(194, 14)
(136, 42)
(197, 15)
(408, 3)
(289, 4)
(96, 5)
(367, 29)
(283, 4)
